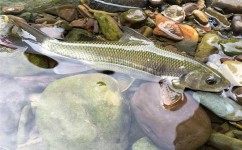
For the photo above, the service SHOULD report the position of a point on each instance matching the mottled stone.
(189, 8)
(223, 107)
(86, 112)
(207, 46)
(175, 13)
(79, 35)
(231, 47)
(133, 16)
(200, 17)
(188, 46)
(236, 24)
(187, 127)
(14, 9)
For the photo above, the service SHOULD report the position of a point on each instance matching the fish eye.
(211, 80)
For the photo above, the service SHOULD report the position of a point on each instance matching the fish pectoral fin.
(133, 37)
(170, 94)
(124, 81)
(65, 67)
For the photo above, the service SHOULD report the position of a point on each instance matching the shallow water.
(22, 84)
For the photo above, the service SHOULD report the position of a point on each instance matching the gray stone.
(117, 5)
(231, 6)
(85, 112)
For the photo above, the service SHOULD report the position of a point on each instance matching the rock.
(188, 46)
(167, 28)
(221, 141)
(175, 13)
(144, 144)
(45, 20)
(36, 5)
(84, 11)
(150, 23)
(86, 112)
(238, 58)
(148, 32)
(189, 8)
(207, 46)
(133, 16)
(236, 24)
(79, 35)
(40, 60)
(109, 27)
(117, 5)
(200, 17)
(222, 19)
(78, 23)
(179, 1)
(67, 12)
(26, 16)
(185, 128)
(188, 32)
(238, 93)
(156, 3)
(221, 106)
(232, 6)
(222, 60)
(231, 47)
(14, 9)
(13, 99)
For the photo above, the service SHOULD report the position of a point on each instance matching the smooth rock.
(236, 24)
(231, 47)
(186, 128)
(67, 12)
(188, 32)
(79, 35)
(223, 107)
(36, 5)
(133, 16)
(46, 20)
(86, 112)
(200, 17)
(144, 144)
(188, 46)
(179, 1)
(117, 5)
(222, 19)
(26, 16)
(207, 46)
(189, 8)
(223, 142)
(14, 9)
(109, 27)
(238, 58)
(231, 6)
(41, 60)
(13, 99)
(175, 13)
(167, 28)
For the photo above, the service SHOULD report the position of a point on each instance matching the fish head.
(205, 79)
(5, 25)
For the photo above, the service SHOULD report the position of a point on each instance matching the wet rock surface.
(177, 132)
(144, 144)
(117, 5)
(232, 6)
(231, 47)
(85, 120)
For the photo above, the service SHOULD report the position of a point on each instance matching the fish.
(134, 55)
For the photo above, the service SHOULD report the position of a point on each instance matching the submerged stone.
(236, 24)
(188, 127)
(109, 27)
(231, 47)
(79, 35)
(207, 46)
(231, 6)
(117, 5)
(133, 16)
(221, 106)
(232, 71)
(144, 144)
(14, 9)
(175, 13)
(86, 112)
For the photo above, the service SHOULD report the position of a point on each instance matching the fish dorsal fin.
(132, 36)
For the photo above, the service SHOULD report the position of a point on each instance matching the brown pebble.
(13, 9)
(78, 23)
(89, 24)
(222, 60)
(200, 17)
(95, 27)
(47, 20)
(238, 57)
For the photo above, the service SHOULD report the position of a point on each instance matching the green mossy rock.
(231, 47)
(109, 27)
(79, 35)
